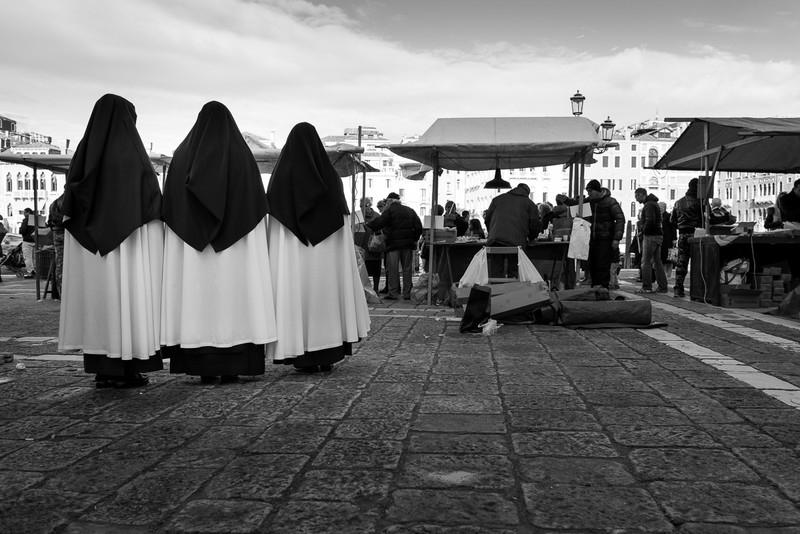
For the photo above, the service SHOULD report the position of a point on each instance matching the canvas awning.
(487, 143)
(59, 163)
(343, 156)
(735, 144)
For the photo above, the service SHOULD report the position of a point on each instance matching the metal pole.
(36, 229)
(432, 235)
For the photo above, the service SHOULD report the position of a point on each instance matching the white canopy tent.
(489, 143)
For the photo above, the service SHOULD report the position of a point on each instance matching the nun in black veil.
(320, 305)
(218, 311)
(113, 244)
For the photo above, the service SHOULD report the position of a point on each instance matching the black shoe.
(326, 368)
(384, 291)
(132, 381)
(678, 292)
(308, 370)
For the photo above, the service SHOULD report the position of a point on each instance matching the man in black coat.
(608, 225)
(652, 239)
(511, 220)
(402, 229)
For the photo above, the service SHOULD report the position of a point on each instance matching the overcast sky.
(396, 65)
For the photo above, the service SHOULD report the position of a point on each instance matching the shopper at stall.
(453, 219)
(687, 216)
(320, 305)
(774, 219)
(218, 311)
(113, 247)
(790, 205)
(372, 259)
(26, 230)
(512, 220)
(55, 221)
(720, 213)
(608, 225)
(652, 240)
(403, 229)
(475, 229)
(670, 235)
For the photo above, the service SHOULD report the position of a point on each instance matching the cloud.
(278, 62)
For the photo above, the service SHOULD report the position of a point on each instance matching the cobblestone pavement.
(690, 428)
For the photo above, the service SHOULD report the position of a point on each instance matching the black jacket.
(512, 219)
(402, 224)
(687, 214)
(651, 216)
(608, 220)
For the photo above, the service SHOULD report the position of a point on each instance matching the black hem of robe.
(245, 359)
(103, 365)
(320, 357)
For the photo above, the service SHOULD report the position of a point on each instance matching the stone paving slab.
(536, 429)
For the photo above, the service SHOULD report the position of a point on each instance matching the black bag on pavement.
(476, 312)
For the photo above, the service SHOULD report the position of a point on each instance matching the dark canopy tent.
(488, 143)
(735, 144)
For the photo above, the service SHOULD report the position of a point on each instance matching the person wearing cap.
(403, 229)
(719, 211)
(608, 225)
(652, 240)
(687, 216)
(511, 221)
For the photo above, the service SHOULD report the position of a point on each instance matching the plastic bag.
(477, 272)
(419, 291)
(672, 255)
(369, 291)
(527, 270)
(377, 243)
(579, 239)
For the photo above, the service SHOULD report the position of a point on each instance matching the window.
(672, 194)
(652, 154)
(633, 162)
(633, 209)
(424, 194)
(19, 181)
(9, 183)
(633, 148)
(643, 164)
(402, 193)
(27, 182)
(369, 182)
(605, 161)
(616, 161)
(388, 183)
(53, 183)
(619, 184)
(633, 184)
(544, 197)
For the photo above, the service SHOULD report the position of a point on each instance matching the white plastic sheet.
(477, 272)
(579, 239)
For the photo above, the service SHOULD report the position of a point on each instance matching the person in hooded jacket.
(218, 311)
(652, 239)
(113, 247)
(608, 225)
(687, 216)
(320, 305)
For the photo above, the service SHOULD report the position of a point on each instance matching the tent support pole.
(36, 230)
(434, 201)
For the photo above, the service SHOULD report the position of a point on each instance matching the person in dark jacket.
(56, 223)
(652, 239)
(512, 220)
(26, 230)
(670, 235)
(687, 216)
(452, 219)
(789, 204)
(403, 229)
(608, 225)
(774, 219)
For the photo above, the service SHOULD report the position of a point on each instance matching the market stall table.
(711, 253)
(452, 260)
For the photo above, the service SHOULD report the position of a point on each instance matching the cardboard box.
(771, 271)
(518, 301)
(446, 235)
(508, 287)
(741, 298)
